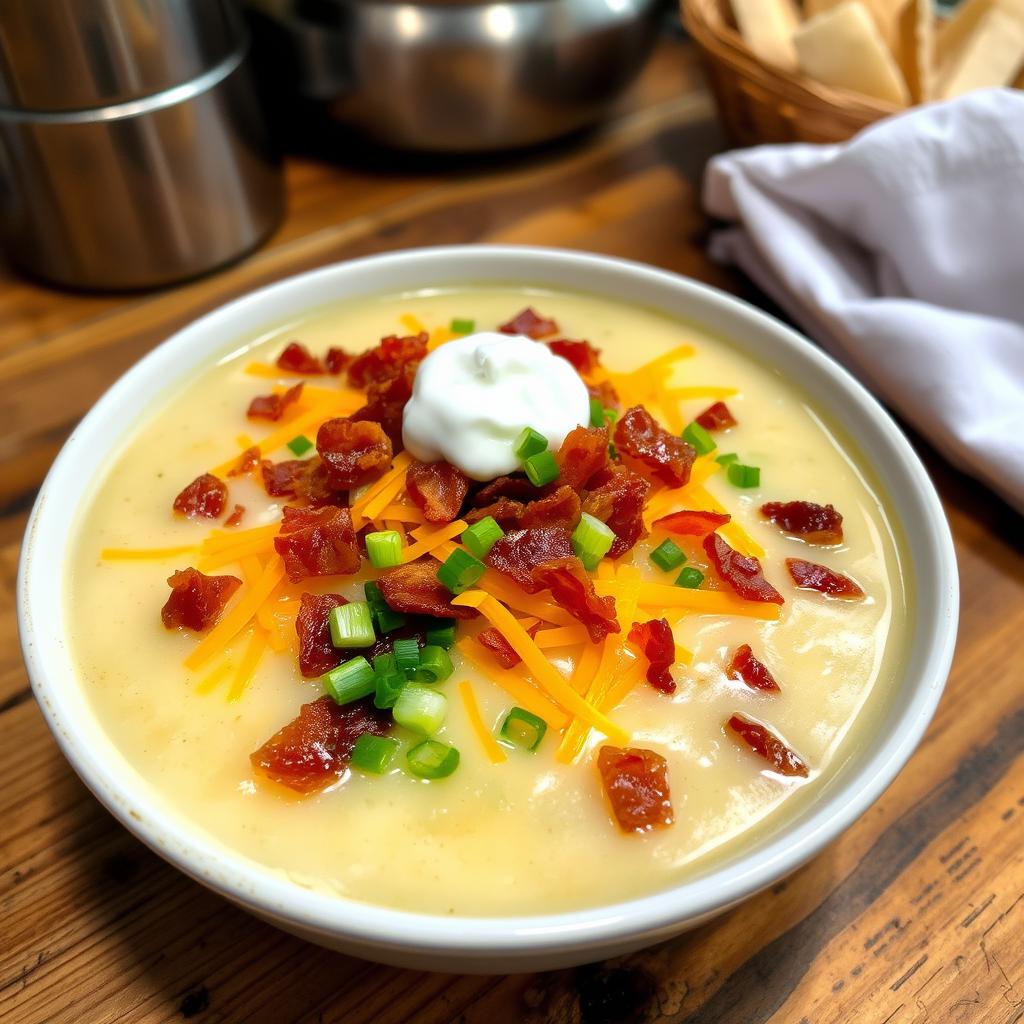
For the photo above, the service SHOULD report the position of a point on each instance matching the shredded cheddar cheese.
(145, 554)
(491, 746)
(429, 537)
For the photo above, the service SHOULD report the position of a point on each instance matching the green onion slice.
(386, 618)
(300, 445)
(541, 468)
(462, 326)
(690, 578)
(460, 571)
(407, 654)
(697, 436)
(482, 536)
(350, 681)
(435, 666)
(724, 460)
(668, 555)
(432, 760)
(373, 754)
(591, 540)
(384, 548)
(352, 625)
(442, 634)
(523, 729)
(528, 443)
(420, 708)
(743, 476)
(596, 412)
(389, 680)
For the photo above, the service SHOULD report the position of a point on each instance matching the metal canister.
(133, 151)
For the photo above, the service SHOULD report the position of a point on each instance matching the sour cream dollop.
(472, 398)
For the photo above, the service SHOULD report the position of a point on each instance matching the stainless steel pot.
(132, 149)
(465, 76)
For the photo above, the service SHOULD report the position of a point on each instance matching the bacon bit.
(502, 650)
(296, 358)
(692, 523)
(518, 488)
(337, 360)
(415, 589)
(531, 324)
(272, 406)
(716, 417)
(582, 454)
(505, 512)
(354, 452)
(658, 644)
(196, 600)
(618, 501)
(766, 744)
(583, 356)
(317, 542)
(300, 478)
(247, 462)
(743, 574)
(438, 489)
(811, 576)
(205, 497)
(561, 508)
(520, 551)
(312, 750)
(317, 654)
(236, 516)
(605, 391)
(753, 672)
(646, 446)
(636, 784)
(387, 360)
(386, 401)
(572, 588)
(816, 524)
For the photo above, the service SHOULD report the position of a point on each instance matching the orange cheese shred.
(491, 746)
(561, 636)
(703, 602)
(412, 324)
(247, 666)
(145, 554)
(429, 537)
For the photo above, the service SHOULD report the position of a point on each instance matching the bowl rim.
(272, 895)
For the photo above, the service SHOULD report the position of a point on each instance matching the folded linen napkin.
(902, 252)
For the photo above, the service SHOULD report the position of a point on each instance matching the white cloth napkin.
(902, 252)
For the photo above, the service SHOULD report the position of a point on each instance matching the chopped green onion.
(386, 618)
(482, 536)
(460, 571)
(668, 555)
(541, 468)
(407, 654)
(528, 443)
(696, 435)
(743, 476)
(300, 445)
(432, 760)
(690, 578)
(352, 625)
(591, 540)
(351, 680)
(596, 412)
(389, 680)
(523, 729)
(610, 416)
(724, 460)
(442, 635)
(463, 326)
(435, 666)
(373, 753)
(384, 548)
(421, 709)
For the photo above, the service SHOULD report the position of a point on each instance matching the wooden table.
(915, 914)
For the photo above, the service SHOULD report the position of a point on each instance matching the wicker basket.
(761, 103)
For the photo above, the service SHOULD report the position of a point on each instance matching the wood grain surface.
(916, 914)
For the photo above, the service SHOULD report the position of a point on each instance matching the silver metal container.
(457, 75)
(133, 151)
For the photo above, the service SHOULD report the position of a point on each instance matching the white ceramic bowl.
(489, 944)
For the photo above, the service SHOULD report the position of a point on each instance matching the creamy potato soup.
(508, 830)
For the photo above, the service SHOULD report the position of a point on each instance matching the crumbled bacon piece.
(583, 356)
(753, 672)
(236, 516)
(518, 488)
(658, 644)
(636, 784)
(560, 508)
(354, 452)
(312, 750)
(572, 588)
(196, 599)
(317, 654)
(816, 524)
(646, 446)
(415, 589)
(317, 542)
(505, 512)
(766, 744)
(273, 406)
(337, 360)
(247, 462)
(502, 650)
(205, 497)
(438, 489)
(618, 499)
(296, 358)
(743, 574)
(287, 479)
(716, 417)
(387, 359)
(386, 400)
(520, 551)
(605, 391)
(531, 324)
(692, 522)
(582, 454)
(811, 576)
